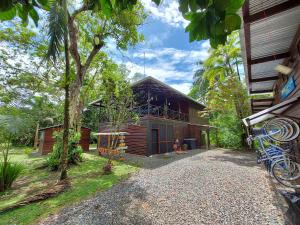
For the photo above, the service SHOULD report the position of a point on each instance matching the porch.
(160, 111)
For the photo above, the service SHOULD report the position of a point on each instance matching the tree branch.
(83, 8)
(73, 32)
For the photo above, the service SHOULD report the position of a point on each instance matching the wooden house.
(46, 139)
(165, 115)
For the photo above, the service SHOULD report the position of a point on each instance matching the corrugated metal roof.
(267, 103)
(274, 34)
(265, 69)
(261, 86)
(256, 6)
(269, 113)
(270, 28)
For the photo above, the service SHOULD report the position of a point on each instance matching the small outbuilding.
(46, 139)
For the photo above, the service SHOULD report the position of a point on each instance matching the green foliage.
(9, 172)
(57, 29)
(218, 84)
(87, 180)
(28, 151)
(74, 151)
(211, 19)
(22, 9)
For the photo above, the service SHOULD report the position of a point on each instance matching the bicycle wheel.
(286, 172)
(282, 129)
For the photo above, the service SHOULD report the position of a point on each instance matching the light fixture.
(283, 69)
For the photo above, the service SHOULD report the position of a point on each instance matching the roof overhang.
(271, 112)
(269, 28)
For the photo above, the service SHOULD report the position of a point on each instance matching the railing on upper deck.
(160, 111)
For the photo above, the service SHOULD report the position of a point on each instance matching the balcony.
(160, 111)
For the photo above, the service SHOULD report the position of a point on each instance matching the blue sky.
(169, 56)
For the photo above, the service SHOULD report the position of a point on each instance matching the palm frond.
(57, 29)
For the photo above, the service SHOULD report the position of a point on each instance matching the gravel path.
(201, 187)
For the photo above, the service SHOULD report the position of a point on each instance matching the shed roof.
(270, 112)
(159, 87)
(58, 125)
(268, 31)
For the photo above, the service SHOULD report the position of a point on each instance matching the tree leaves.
(8, 14)
(211, 19)
(22, 9)
(232, 22)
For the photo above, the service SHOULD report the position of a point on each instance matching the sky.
(169, 56)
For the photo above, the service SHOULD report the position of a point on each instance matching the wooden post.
(148, 99)
(99, 122)
(217, 138)
(207, 141)
(36, 138)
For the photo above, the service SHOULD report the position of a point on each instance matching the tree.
(209, 19)
(225, 93)
(10, 125)
(117, 99)
(200, 85)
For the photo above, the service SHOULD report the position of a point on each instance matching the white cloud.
(167, 12)
(183, 87)
(175, 55)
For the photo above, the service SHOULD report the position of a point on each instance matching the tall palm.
(58, 36)
(200, 85)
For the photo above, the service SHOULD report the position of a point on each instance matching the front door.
(155, 141)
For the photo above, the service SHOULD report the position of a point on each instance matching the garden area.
(87, 179)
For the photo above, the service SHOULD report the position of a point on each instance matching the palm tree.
(200, 85)
(58, 35)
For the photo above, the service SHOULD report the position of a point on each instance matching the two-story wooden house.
(165, 115)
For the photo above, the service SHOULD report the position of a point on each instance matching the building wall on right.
(293, 62)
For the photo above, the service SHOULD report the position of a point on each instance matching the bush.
(74, 151)
(28, 151)
(9, 172)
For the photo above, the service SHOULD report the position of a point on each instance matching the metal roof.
(270, 112)
(268, 30)
(160, 86)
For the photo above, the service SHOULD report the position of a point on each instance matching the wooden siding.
(136, 140)
(195, 116)
(46, 144)
(195, 132)
(170, 130)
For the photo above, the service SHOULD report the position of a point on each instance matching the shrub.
(9, 172)
(28, 151)
(74, 151)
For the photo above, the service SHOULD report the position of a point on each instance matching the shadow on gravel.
(247, 159)
(123, 204)
(160, 160)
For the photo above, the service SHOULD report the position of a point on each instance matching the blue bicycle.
(274, 141)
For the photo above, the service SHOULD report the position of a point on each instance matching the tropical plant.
(9, 172)
(117, 99)
(74, 150)
(200, 85)
(9, 126)
(219, 84)
(211, 19)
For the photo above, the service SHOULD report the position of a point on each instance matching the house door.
(155, 141)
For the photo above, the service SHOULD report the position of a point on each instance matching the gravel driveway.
(201, 187)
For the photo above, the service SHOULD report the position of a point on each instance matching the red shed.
(46, 140)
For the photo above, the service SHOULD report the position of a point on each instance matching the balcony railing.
(160, 111)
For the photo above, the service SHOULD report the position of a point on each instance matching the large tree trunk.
(64, 155)
(75, 109)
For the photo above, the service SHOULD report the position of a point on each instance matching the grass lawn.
(86, 179)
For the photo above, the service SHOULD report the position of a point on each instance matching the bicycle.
(278, 160)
